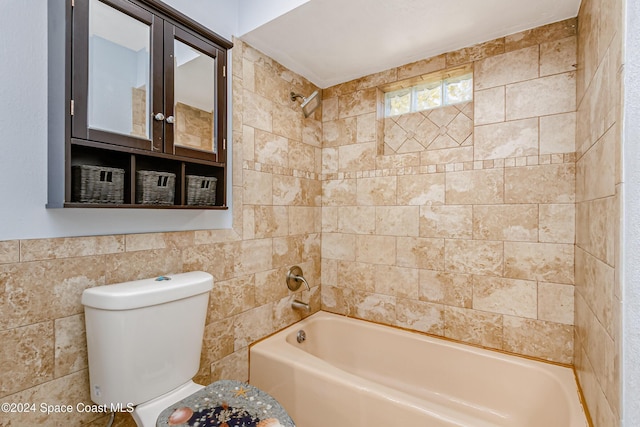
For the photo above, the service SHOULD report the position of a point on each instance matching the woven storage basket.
(155, 188)
(201, 190)
(97, 184)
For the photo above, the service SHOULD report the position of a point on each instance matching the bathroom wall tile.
(233, 296)
(424, 66)
(420, 316)
(555, 31)
(271, 149)
(505, 296)
(509, 139)
(257, 188)
(405, 160)
(9, 251)
(555, 303)
(271, 221)
(541, 97)
(329, 108)
(489, 105)
(446, 288)
(257, 111)
(45, 290)
(330, 219)
(553, 183)
(475, 52)
(356, 219)
(372, 307)
(145, 264)
(255, 256)
(600, 162)
(366, 127)
(287, 122)
(70, 345)
(70, 389)
(356, 103)
(447, 155)
(473, 327)
(329, 160)
(357, 157)
(252, 325)
(558, 56)
(376, 79)
(557, 223)
(397, 281)
(548, 262)
(333, 299)
(233, 367)
(375, 249)
(217, 343)
(41, 249)
(557, 133)
(339, 246)
(26, 357)
(498, 70)
(474, 257)
(595, 281)
(421, 252)
(356, 276)
(537, 338)
(148, 241)
(447, 221)
(475, 187)
(397, 220)
(292, 250)
(221, 260)
(312, 132)
(340, 192)
(505, 222)
(422, 189)
(596, 227)
(304, 220)
(339, 132)
(376, 191)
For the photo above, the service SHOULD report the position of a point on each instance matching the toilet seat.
(226, 401)
(146, 414)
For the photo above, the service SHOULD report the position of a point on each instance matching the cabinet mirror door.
(114, 90)
(193, 119)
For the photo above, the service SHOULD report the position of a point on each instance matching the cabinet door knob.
(171, 120)
(159, 117)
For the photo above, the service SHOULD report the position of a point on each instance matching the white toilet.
(144, 340)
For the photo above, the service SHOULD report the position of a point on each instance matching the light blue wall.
(32, 94)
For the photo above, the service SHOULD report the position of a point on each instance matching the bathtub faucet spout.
(299, 305)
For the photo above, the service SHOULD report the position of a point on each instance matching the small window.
(453, 90)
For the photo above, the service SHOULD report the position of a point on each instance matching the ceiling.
(333, 41)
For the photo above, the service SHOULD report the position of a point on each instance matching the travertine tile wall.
(277, 224)
(474, 243)
(598, 180)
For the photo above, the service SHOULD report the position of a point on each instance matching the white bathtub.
(354, 373)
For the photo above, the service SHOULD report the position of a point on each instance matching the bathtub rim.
(328, 314)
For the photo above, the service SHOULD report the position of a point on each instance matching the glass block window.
(453, 90)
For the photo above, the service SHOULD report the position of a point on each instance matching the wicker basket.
(155, 188)
(201, 190)
(97, 184)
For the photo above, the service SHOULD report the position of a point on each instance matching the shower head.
(309, 104)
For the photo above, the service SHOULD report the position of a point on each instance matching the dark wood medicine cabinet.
(146, 99)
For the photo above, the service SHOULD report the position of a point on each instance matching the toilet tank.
(144, 337)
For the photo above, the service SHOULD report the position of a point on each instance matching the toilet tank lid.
(147, 292)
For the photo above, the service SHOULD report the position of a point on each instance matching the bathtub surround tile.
(372, 307)
(540, 35)
(509, 139)
(340, 192)
(421, 189)
(473, 327)
(397, 281)
(376, 191)
(505, 222)
(475, 187)
(511, 67)
(339, 246)
(557, 223)
(475, 52)
(556, 303)
(541, 97)
(232, 367)
(446, 288)
(356, 157)
(376, 249)
(557, 133)
(397, 220)
(489, 106)
(26, 357)
(70, 345)
(505, 296)
(355, 219)
(420, 316)
(419, 252)
(474, 257)
(257, 188)
(537, 338)
(252, 325)
(421, 67)
(446, 221)
(548, 262)
(221, 260)
(558, 56)
(357, 276)
(234, 296)
(553, 183)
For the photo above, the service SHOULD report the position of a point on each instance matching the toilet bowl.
(144, 340)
